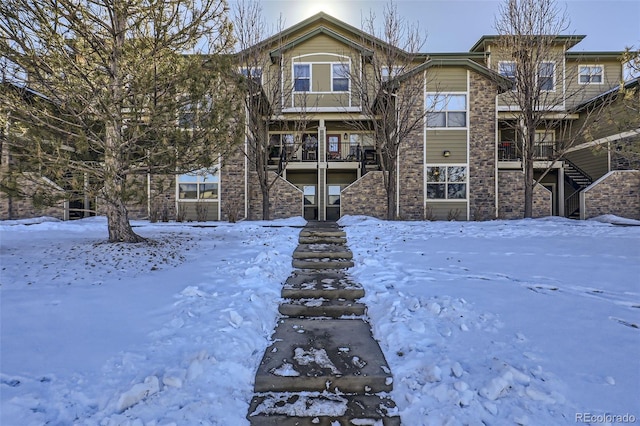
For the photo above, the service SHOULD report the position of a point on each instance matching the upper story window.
(446, 110)
(591, 74)
(546, 76)
(302, 77)
(254, 73)
(508, 69)
(340, 77)
(388, 73)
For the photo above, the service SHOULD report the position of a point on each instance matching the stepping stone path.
(324, 366)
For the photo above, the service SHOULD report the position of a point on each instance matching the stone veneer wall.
(285, 199)
(482, 148)
(411, 168)
(366, 196)
(25, 208)
(617, 193)
(232, 186)
(511, 196)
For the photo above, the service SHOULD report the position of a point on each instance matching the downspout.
(246, 168)
(497, 164)
(148, 194)
(395, 96)
(468, 124)
(424, 149)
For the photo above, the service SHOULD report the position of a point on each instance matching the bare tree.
(128, 86)
(265, 94)
(393, 106)
(530, 49)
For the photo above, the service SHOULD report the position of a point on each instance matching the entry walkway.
(324, 367)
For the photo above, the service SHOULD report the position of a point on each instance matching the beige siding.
(454, 141)
(447, 210)
(448, 79)
(582, 92)
(321, 100)
(320, 43)
(210, 210)
(591, 161)
(340, 178)
(321, 75)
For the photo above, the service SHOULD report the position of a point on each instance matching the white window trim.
(515, 73)
(310, 78)
(348, 64)
(553, 77)
(392, 72)
(197, 183)
(466, 111)
(242, 70)
(580, 67)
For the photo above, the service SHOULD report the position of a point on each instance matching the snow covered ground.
(504, 322)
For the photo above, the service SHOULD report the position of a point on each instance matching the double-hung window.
(546, 76)
(302, 77)
(508, 69)
(388, 73)
(446, 110)
(591, 74)
(253, 73)
(446, 182)
(340, 77)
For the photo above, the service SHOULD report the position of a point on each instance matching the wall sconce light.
(446, 153)
(346, 136)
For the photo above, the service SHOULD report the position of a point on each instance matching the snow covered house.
(464, 162)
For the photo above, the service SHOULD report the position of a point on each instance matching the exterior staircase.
(324, 366)
(579, 180)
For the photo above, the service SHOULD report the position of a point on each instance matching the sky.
(455, 25)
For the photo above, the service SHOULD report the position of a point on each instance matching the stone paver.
(324, 366)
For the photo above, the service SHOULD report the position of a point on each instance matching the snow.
(530, 322)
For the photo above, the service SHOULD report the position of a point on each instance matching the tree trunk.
(528, 189)
(120, 230)
(391, 191)
(529, 158)
(265, 202)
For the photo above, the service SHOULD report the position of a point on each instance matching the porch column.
(322, 171)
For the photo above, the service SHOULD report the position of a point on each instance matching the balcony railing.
(341, 152)
(511, 151)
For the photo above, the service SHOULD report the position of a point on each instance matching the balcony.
(336, 152)
(512, 151)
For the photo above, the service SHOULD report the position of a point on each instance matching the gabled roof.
(611, 93)
(569, 40)
(321, 30)
(324, 23)
(504, 83)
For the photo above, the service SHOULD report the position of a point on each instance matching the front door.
(310, 202)
(333, 202)
(333, 147)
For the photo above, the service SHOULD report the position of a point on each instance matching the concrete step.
(324, 263)
(287, 409)
(321, 308)
(319, 251)
(323, 354)
(322, 240)
(324, 232)
(322, 284)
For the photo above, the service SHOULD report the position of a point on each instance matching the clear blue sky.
(455, 25)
